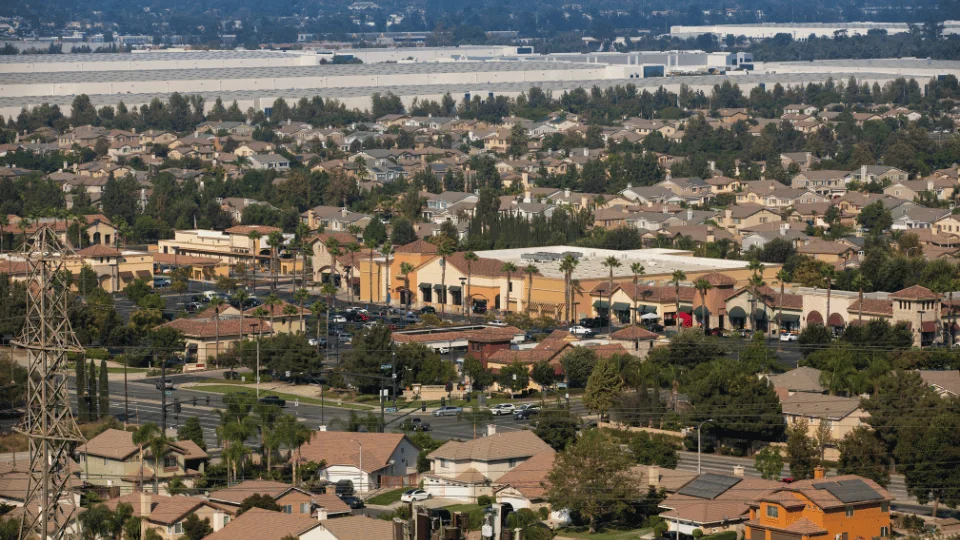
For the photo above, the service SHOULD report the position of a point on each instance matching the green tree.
(104, 391)
(802, 452)
(556, 428)
(196, 529)
(543, 374)
(814, 337)
(375, 231)
(604, 387)
(875, 218)
(92, 391)
(372, 347)
(769, 463)
(192, 431)
(480, 377)
(258, 500)
(517, 141)
(655, 449)
(926, 454)
(514, 377)
(591, 477)
(742, 405)
(862, 453)
(578, 365)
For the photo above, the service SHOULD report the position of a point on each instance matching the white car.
(502, 409)
(789, 336)
(444, 350)
(580, 330)
(338, 319)
(412, 495)
(497, 322)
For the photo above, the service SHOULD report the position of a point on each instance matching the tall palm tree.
(828, 276)
(678, 276)
(275, 241)
(301, 295)
(215, 303)
(702, 286)
(405, 270)
(445, 248)
(352, 248)
(470, 257)
(265, 417)
(143, 437)
(255, 238)
(860, 282)
(387, 251)
(637, 270)
(271, 303)
(611, 263)
(755, 281)
(372, 245)
(300, 233)
(508, 268)
(317, 308)
(782, 276)
(240, 297)
(333, 248)
(331, 292)
(567, 265)
(530, 270)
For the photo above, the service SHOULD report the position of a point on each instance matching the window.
(884, 507)
(305, 508)
(169, 461)
(773, 511)
(288, 509)
(849, 511)
(513, 463)
(178, 528)
(884, 532)
(444, 464)
(226, 519)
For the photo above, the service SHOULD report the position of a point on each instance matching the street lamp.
(463, 302)
(699, 432)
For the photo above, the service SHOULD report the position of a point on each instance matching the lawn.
(463, 508)
(609, 533)
(233, 388)
(387, 497)
(129, 370)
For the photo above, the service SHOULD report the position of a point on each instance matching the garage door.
(783, 536)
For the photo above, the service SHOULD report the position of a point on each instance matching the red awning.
(835, 320)
(928, 326)
(814, 317)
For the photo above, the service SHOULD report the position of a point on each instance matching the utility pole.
(48, 422)
(163, 396)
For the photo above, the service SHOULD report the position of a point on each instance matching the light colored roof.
(265, 525)
(819, 406)
(207, 327)
(236, 494)
(826, 500)
(802, 379)
(338, 448)
(331, 503)
(118, 444)
(634, 333)
(669, 479)
(732, 504)
(358, 528)
(162, 508)
(917, 292)
(528, 478)
(498, 447)
(949, 381)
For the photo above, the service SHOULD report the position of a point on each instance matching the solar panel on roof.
(849, 491)
(709, 486)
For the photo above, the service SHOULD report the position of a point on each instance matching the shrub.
(97, 354)
(726, 535)
(544, 512)
(484, 500)
(697, 533)
(659, 530)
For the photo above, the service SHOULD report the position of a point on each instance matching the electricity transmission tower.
(48, 423)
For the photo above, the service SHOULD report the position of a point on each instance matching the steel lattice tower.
(48, 423)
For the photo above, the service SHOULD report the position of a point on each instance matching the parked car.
(352, 501)
(415, 424)
(444, 350)
(344, 337)
(411, 318)
(480, 309)
(595, 322)
(338, 319)
(497, 322)
(581, 331)
(273, 400)
(412, 495)
(502, 409)
(427, 309)
(654, 327)
(314, 342)
(449, 410)
(789, 336)
(524, 412)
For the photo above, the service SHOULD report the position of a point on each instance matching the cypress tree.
(82, 409)
(104, 391)
(92, 393)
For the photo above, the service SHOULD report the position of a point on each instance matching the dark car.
(169, 385)
(525, 412)
(480, 309)
(193, 307)
(415, 424)
(654, 327)
(273, 400)
(352, 501)
(427, 309)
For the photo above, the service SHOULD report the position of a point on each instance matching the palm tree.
(828, 276)
(300, 233)
(143, 437)
(215, 303)
(352, 248)
(158, 445)
(240, 297)
(371, 244)
(333, 248)
(678, 276)
(530, 270)
(860, 282)
(331, 291)
(782, 276)
(508, 268)
(23, 225)
(275, 241)
(702, 286)
(301, 295)
(272, 302)
(567, 265)
(638, 270)
(4, 222)
(265, 418)
(405, 270)
(317, 308)
(837, 373)
(611, 263)
(445, 248)
(255, 239)
(387, 251)
(470, 257)
(755, 281)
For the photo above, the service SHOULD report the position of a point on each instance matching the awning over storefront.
(438, 287)
(699, 312)
(144, 274)
(738, 313)
(621, 306)
(686, 309)
(454, 288)
(126, 276)
(647, 309)
(760, 315)
(601, 304)
(424, 285)
(835, 320)
(790, 317)
(814, 317)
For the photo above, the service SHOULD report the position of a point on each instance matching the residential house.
(840, 507)
(202, 336)
(918, 217)
(879, 174)
(713, 503)
(828, 252)
(111, 459)
(802, 379)
(744, 216)
(269, 162)
(268, 525)
(829, 183)
(165, 515)
(368, 461)
(526, 485)
(291, 499)
(944, 383)
(236, 205)
(840, 415)
(438, 205)
(333, 219)
(467, 470)
(636, 340)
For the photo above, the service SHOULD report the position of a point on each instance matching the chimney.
(566, 194)
(584, 201)
(321, 428)
(689, 215)
(321, 514)
(491, 429)
(738, 471)
(930, 185)
(526, 196)
(343, 211)
(819, 472)
(863, 174)
(525, 179)
(196, 134)
(653, 476)
(65, 165)
(144, 504)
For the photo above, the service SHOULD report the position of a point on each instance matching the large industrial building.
(257, 78)
(799, 31)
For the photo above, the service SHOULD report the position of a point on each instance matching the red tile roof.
(633, 333)
(98, 250)
(418, 246)
(916, 292)
(207, 328)
(337, 448)
(264, 230)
